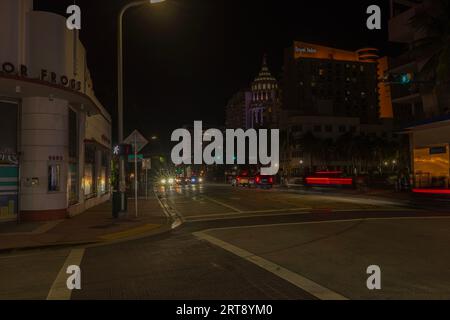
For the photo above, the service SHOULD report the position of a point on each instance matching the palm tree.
(433, 20)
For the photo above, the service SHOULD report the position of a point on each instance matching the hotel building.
(423, 109)
(331, 92)
(55, 136)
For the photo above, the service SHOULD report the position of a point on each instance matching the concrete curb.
(174, 221)
(59, 245)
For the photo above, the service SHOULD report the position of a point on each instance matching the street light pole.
(122, 187)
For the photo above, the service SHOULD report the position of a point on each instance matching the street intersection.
(252, 244)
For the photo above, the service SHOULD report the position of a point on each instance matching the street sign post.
(140, 158)
(146, 165)
(139, 142)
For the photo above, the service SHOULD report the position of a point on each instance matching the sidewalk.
(93, 226)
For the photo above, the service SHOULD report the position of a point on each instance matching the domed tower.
(265, 99)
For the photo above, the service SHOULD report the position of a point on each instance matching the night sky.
(184, 59)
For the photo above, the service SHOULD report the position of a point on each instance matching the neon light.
(330, 181)
(432, 191)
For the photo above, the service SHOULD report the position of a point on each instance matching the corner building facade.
(55, 136)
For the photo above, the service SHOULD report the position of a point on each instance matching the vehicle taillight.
(270, 180)
(258, 179)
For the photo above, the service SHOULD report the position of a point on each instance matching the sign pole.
(135, 176)
(146, 183)
(139, 143)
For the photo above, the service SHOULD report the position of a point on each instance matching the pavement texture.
(242, 244)
(96, 225)
(412, 254)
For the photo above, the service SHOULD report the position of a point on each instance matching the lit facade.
(265, 104)
(431, 155)
(329, 93)
(55, 136)
(323, 81)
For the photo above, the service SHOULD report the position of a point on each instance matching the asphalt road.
(251, 244)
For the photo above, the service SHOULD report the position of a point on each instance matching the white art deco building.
(55, 136)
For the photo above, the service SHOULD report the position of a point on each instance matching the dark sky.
(185, 58)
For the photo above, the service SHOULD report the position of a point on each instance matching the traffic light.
(123, 150)
(404, 78)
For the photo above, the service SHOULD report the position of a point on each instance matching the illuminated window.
(90, 171)
(431, 166)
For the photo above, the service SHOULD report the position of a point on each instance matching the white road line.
(222, 204)
(212, 215)
(327, 221)
(361, 200)
(59, 290)
(237, 216)
(299, 281)
(246, 214)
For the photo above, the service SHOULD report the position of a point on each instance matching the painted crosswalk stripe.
(59, 290)
(299, 281)
(222, 204)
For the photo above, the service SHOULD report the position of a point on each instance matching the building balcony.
(399, 27)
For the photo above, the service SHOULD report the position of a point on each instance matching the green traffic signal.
(406, 78)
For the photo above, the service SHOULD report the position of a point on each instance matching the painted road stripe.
(238, 216)
(222, 204)
(212, 215)
(130, 232)
(327, 221)
(299, 281)
(249, 213)
(59, 290)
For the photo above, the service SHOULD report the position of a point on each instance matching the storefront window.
(9, 162)
(73, 175)
(90, 183)
(103, 181)
(73, 183)
(431, 167)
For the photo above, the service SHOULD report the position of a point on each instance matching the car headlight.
(163, 181)
(200, 180)
(171, 181)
